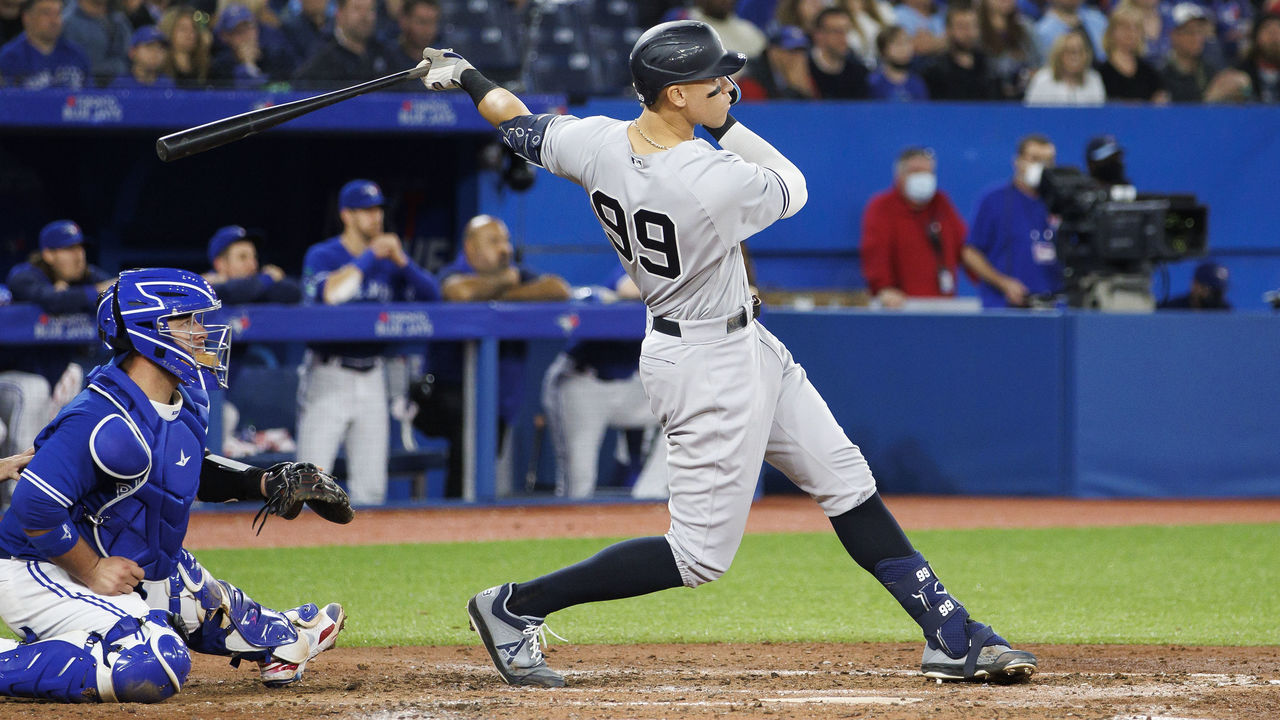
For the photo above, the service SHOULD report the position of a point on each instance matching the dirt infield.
(771, 680)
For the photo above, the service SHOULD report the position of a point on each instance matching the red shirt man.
(912, 236)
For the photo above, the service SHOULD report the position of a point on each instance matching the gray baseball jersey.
(677, 218)
(728, 394)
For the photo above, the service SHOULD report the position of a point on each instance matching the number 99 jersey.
(675, 218)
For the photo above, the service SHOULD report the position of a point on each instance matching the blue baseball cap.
(60, 234)
(789, 37)
(148, 34)
(232, 16)
(1102, 147)
(1212, 275)
(360, 194)
(223, 238)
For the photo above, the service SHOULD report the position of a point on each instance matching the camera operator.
(1011, 244)
(1208, 290)
(1104, 158)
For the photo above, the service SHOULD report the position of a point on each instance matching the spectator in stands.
(962, 72)
(894, 79)
(236, 277)
(353, 54)
(308, 29)
(593, 386)
(911, 234)
(419, 29)
(148, 57)
(1065, 15)
(1208, 290)
(189, 55)
(783, 72)
(926, 23)
(278, 60)
(1008, 39)
(238, 60)
(1235, 21)
(484, 270)
(342, 399)
(10, 20)
(738, 35)
(1263, 61)
(1125, 74)
(1011, 246)
(60, 280)
(797, 13)
(870, 18)
(103, 34)
(41, 56)
(141, 13)
(1068, 78)
(1188, 75)
(837, 72)
(1154, 24)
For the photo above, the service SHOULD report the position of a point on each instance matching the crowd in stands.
(1042, 52)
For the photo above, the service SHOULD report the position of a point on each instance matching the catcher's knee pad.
(915, 586)
(138, 660)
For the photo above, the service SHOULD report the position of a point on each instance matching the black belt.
(350, 363)
(737, 322)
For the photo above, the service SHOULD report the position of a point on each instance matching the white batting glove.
(446, 71)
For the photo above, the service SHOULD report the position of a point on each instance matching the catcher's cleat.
(318, 630)
(512, 640)
(996, 662)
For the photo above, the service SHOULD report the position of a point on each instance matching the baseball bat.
(220, 132)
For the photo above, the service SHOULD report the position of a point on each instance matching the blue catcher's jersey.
(124, 476)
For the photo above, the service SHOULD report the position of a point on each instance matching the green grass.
(1196, 585)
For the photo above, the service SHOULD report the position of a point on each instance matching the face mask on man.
(919, 187)
(1031, 174)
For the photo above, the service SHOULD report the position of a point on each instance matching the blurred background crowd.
(1044, 52)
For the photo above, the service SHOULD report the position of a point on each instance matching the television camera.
(1111, 236)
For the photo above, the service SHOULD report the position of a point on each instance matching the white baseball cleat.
(317, 631)
(512, 640)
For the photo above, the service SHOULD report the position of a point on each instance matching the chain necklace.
(647, 138)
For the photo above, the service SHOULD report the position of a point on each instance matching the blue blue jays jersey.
(383, 280)
(110, 469)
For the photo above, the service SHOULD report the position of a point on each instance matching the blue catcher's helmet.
(160, 314)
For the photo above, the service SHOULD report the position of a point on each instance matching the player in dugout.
(728, 393)
(96, 583)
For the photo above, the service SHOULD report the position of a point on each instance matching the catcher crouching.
(96, 581)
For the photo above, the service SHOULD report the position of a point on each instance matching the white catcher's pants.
(341, 406)
(580, 409)
(727, 402)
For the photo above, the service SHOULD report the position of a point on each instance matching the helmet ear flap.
(119, 339)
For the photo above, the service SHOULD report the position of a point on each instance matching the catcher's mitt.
(290, 484)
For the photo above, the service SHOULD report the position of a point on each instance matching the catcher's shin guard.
(138, 660)
(222, 620)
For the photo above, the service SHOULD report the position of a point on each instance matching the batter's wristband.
(476, 85)
(57, 541)
(719, 132)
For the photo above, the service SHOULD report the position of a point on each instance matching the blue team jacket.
(122, 475)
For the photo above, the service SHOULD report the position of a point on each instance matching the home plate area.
(798, 681)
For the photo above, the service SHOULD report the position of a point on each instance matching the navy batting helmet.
(677, 52)
(135, 314)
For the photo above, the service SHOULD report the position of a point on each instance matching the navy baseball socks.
(956, 646)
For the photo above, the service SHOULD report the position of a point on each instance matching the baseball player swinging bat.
(220, 132)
